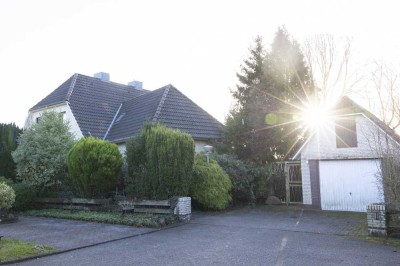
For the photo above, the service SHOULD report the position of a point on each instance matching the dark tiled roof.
(169, 107)
(134, 114)
(179, 112)
(93, 102)
(59, 95)
(97, 104)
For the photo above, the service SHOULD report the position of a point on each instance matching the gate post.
(287, 183)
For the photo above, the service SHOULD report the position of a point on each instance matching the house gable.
(62, 108)
(367, 136)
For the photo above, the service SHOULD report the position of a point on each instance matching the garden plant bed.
(134, 219)
(75, 204)
(14, 249)
(8, 218)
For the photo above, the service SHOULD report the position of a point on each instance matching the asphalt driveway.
(248, 236)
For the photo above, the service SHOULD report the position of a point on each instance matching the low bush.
(7, 196)
(24, 197)
(93, 166)
(250, 182)
(241, 177)
(24, 194)
(210, 185)
(139, 220)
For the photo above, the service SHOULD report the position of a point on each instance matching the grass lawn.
(137, 220)
(13, 249)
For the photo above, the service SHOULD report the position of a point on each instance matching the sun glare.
(315, 117)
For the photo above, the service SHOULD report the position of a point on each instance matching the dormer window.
(346, 132)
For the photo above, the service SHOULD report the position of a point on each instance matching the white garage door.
(349, 185)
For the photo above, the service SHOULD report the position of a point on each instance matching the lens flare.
(315, 117)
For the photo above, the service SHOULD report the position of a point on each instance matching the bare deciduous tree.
(384, 99)
(330, 64)
(384, 96)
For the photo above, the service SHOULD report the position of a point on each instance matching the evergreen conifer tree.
(262, 126)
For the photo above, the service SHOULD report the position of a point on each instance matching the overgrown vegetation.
(210, 186)
(93, 166)
(250, 183)
(138, 220)
(8, 143)
(14, 249)
(42, 152)
(390, 180)
(160, 163)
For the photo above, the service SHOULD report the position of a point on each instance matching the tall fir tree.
(262, 126)
(290, 83)
(240, 137)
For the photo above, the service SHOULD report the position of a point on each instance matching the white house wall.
(69, 116)
(122, 148)
(199, 145)
(370, 139)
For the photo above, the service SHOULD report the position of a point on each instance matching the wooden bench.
(147, 206)
(74, 203)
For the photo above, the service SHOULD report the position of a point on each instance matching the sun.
(315, 117)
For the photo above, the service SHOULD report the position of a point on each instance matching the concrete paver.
(246, 236)
(66, 234)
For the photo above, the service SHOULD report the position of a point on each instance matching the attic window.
(346, 132)
(38, 119)
(63, 115)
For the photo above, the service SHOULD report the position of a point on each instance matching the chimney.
(103, 76)
(136, 84)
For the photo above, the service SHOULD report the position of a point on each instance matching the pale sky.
(197, 46)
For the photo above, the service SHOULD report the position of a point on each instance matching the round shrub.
(93, 166)
(7, 196)
(210, 184)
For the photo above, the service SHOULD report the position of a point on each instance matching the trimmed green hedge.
(93, 166)
(160, 163)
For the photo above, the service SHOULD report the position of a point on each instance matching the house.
(340, 162)
(95, 106)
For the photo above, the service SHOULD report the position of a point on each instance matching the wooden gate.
(288, 183)
(293, 181)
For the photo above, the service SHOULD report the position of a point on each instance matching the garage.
(349, 185)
